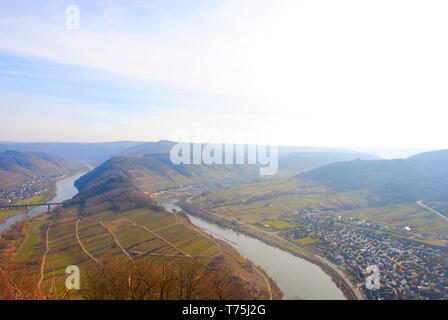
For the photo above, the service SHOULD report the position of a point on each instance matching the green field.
(32, 240)
(269, 200)
(279, 225)
(268, 203)
(402, 215)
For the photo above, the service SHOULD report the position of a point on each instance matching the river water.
(65, 190)
(296, 277)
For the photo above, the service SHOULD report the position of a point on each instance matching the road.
(79, 241)
(432, 210)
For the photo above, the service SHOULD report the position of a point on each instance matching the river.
(65, 189)
(296, 277)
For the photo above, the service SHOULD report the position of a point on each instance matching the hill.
(153, 170)
(420, 177)
(292, 160)
(91, 153)
(113, 229)
(17, 167)
(433, 162)
(162, 146)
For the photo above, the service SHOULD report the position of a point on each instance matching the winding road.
(420, 203)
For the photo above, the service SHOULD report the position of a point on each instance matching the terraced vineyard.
(136, 234)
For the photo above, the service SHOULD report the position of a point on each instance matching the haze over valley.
(199, 151)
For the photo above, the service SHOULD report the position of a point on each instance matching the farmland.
(53, 242)
(268, 204)
(269, 200)
(65, 250)
(343, 227)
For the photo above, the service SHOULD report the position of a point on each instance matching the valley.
(29, 178)
(407, 241)
(85, 235)
(141, 211)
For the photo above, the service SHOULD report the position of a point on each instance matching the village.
(408, 269)
(31, 188)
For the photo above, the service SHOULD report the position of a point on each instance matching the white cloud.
(317, 72)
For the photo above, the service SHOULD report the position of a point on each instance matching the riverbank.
(46, 197)
(247, 271)
(342, 282)
(63, 190)
(49, 195)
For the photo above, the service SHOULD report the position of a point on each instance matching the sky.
(364, 74)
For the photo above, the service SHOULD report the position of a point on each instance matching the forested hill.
(420, 177)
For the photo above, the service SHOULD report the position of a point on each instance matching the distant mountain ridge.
(92, 153)
(150, 168)
(290, 158)
(96, 153)
(420, 177)
(164, 146)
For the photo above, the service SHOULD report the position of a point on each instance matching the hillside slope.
(112, 219)
(154, 172)
(162, 146)
(420, 177)
(150, 168)
(291, 159)
(17, 167)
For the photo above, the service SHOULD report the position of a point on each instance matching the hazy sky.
(323, 73)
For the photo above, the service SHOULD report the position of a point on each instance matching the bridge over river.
(30, 205)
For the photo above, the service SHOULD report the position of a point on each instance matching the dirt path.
(268, 285)
(158, 236)
(116, 240)
(42, 266)
(159, 254)
(82, 247)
